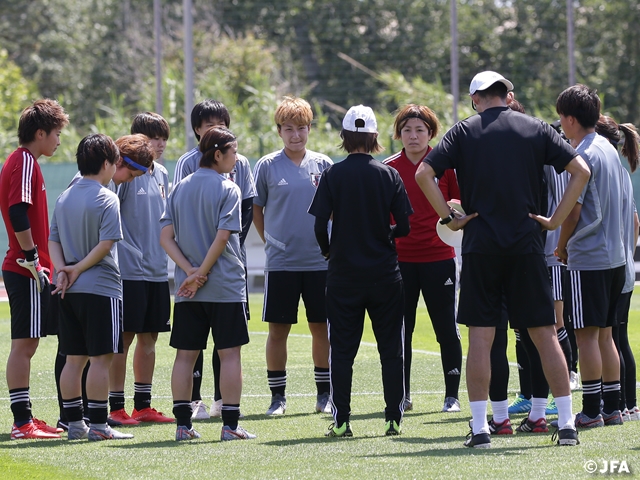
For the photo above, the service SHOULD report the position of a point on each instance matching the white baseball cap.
(484, 80)
(360, 119)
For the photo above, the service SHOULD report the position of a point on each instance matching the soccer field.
(293, 446)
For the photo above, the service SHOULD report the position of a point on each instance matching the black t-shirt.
(499, 156)
(361, 193)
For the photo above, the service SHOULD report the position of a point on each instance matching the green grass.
(293, 446)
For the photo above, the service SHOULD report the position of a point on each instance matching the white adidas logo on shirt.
(448, 282)
(141, 192)
(283, 182)
(455, 371)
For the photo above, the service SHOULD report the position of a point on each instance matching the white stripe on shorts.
(115, 323)
(35, 326)
(264, 300)
(556, 282)
(576, 299)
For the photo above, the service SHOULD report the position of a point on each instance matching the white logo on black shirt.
(141, 192)
(448, 282)
(283, 182)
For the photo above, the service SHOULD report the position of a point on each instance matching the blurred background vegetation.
(97, 58)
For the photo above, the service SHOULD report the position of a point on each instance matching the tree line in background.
(97, 58)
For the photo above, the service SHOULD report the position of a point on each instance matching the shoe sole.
(568, 442)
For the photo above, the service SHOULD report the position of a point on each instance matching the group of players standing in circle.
(347, 238)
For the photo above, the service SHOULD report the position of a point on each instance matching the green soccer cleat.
(391, 428)
(343, 431)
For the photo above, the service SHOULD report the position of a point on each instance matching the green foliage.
(15, 94)
(97, 57)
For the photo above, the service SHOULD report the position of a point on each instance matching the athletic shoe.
(122, 417)
(520, 405)
(323, 403)
(278, 405)
(551, 409)
(30, 430)
(479, 440)
(634, 414)
(238, 434)
(78, 433)
(391, 428)
(625, 415)
(183, 433)
(199, 410)
(42, 425)
(566, 437)
(613, 418)
(216, 409)
(574, 381)
(343, 431)
(503, 428)
(63, 425)
(583, 421)
(527, 426)
(150, 415)
(97, 435)
(451, 405)
(112, 422)
(408, 405)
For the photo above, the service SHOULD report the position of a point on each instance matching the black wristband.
(444, 221)
(31, 255)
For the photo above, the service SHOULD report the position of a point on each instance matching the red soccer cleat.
(30, 430)
(123, 417)
(42, 425)
(150, 415)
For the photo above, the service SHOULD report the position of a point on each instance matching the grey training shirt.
(86, 214)
(596, 243)
(200, 205)
(142, 201)
(286, 190)
(556, 185)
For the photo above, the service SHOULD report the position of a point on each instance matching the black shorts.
(192, 322)
(90, 324)
(556, 276)
(524, 281)
(31, 312)
(622, 309)
(591, 296)
(146, 306)
(282, 291)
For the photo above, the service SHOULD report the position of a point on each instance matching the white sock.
(479, 416)
(565, 414)
(500, 410)
(538, 407)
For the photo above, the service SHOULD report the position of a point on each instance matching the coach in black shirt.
(360, 194)
(499, 155)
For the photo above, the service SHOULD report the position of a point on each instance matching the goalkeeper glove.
(32, 263)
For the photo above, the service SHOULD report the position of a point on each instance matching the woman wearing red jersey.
(427, 264)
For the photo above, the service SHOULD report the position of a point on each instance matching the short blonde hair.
(293, 109)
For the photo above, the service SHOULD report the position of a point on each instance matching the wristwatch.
(444, 221)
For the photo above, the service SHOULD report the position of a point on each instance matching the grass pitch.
(294, 446)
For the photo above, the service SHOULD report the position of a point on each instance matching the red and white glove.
(32, 263)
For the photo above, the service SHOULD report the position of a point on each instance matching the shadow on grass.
(453, 452)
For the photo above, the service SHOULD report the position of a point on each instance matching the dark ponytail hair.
(214, 139)
(608, 128)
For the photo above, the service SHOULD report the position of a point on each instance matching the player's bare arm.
(426, 179)
(579, 176)
(95, 255)
(258, 220)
